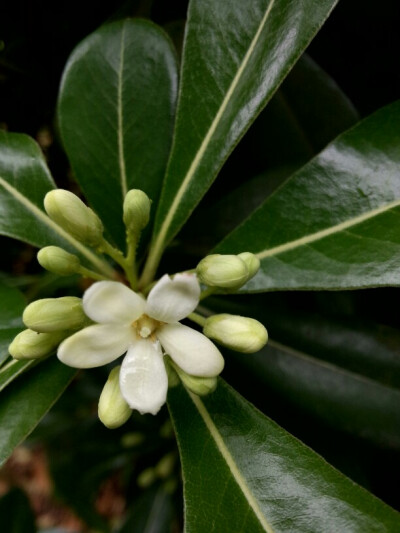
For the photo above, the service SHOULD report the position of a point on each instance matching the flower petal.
(111, 302)
(191, 350)
(170, 300)
(95, 345)
(143, 378)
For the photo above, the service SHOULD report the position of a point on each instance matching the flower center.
(145, 326)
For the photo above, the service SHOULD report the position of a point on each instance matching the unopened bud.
(252, 263)
(146, 478)
(32, 345)
(136, 210)
(113, 409)
(58, 261)
(236, 332)
(165, 466)
(55, 314)
(225, 271)
(199, 385)
(69, 212)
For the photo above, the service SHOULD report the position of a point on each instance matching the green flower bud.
(58, 261)
(225, 271)
(199, 385)
(32, 345)
(136, 210)
(236, 332)
(113, 409)
(165, 466)
(146, 478)
(69, 212)
(55, 314)
(252, 262)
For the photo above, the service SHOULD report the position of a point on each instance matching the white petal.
(95, 345)
(143, 379)
(170, 300)
(111, 302)
(191, 350)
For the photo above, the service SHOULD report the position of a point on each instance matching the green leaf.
(12, 306)
(24, 181)
(234, 59)
(24, 403)
(16, 515)
(116, 109)
(334, 224)
(258, 478)
(345, 373)
(12, 370)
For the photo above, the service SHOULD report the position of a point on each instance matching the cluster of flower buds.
(112, 319)
(49, 321)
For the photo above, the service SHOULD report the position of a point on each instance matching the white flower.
(145, 330)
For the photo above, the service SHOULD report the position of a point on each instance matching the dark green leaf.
(24, 181)
(334, 224)
(116, 110)
(345, 373)
(250, 475)
(24, 403)
(12, 305)
(234, 59)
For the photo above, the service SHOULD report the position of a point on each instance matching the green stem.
(198, 319)
(122, 261)
(208, 292)
(87, 273)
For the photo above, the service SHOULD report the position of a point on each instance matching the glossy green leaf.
(308, 111)
(334, 224)
(12, 369)
(24, 181)
(115, 112)
(12, 305)
(250, 475)
(24, 403)
(234, 58)
(345, 373)
(344, 399)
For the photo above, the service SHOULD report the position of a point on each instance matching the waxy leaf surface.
(24, 182)
(24, 403)
(116, 109)
(335, 223)
(307, 112)
(234, 58)
(250, 475)
(11, 308)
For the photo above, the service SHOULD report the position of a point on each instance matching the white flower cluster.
(112, 319)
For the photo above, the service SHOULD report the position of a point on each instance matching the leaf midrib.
(319, 235)
(233, 467)
(161, 237)
(38, 213)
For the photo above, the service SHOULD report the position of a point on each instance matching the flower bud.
(136, 210)
(113, 409)
(32, 345)
(252, 263)
(225, 271)
(199, 385)
(165, 465)
(58, 261)
(54, 314)
(69, 212)
(236, 332)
